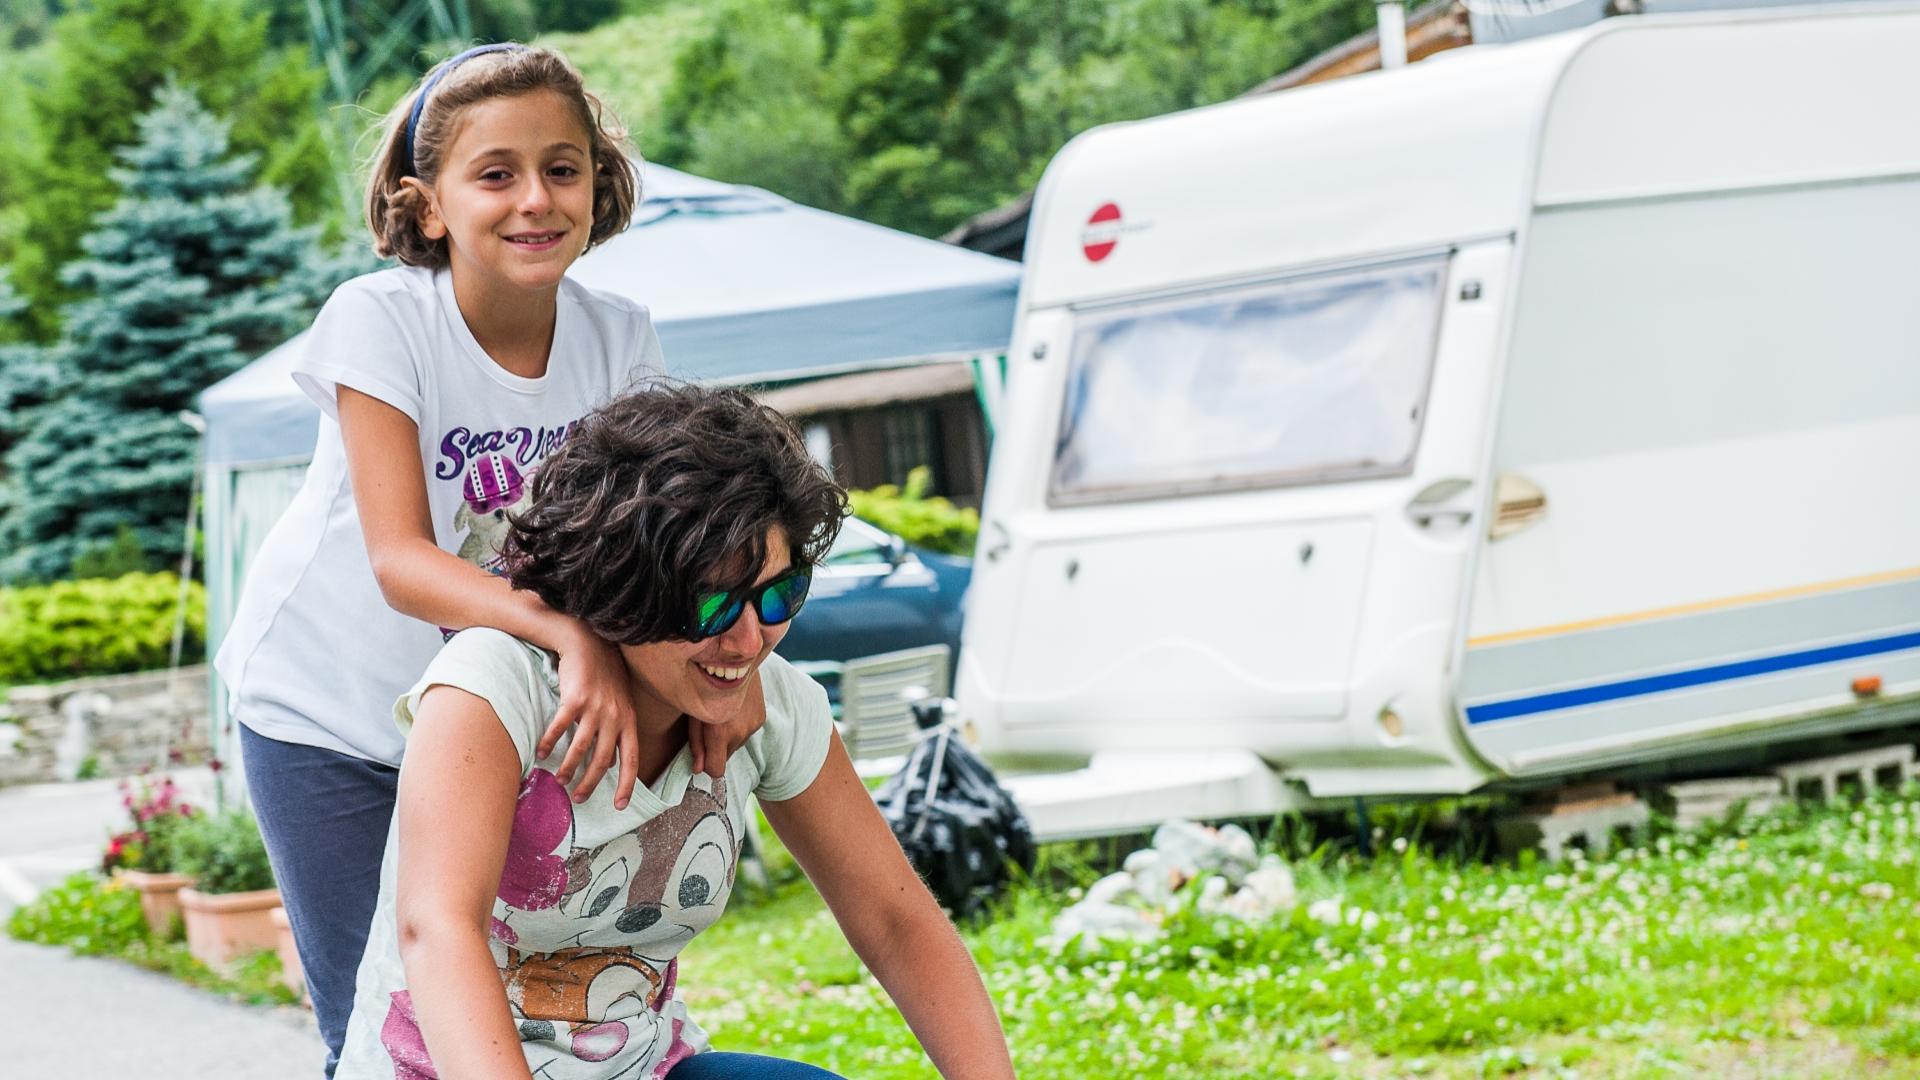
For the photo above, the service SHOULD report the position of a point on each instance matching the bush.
(93, 917)
(930, 522)
(49, 633)
(224, 853)
(90, 916)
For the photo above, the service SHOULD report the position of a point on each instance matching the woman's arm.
(420, 579)
(460, 761)
(837, 836)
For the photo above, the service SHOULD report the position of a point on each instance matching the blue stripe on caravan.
(1654, 684)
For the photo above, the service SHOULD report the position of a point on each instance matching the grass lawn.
(1776, 947)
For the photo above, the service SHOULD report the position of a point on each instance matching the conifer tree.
(191, 274)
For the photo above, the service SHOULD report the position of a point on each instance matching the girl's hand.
(713, 744)
(595, 701)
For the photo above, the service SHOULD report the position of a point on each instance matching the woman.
(518, 934)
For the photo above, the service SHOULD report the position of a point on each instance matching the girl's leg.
(715, 1065)
(324, 816)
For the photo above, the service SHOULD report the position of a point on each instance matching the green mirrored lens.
(781, 599)
(716, 612)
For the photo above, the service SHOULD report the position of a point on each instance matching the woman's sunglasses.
(775, 602)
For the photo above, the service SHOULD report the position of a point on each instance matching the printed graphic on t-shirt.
(496, 480)
(587, 938)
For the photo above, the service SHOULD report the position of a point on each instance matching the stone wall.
(150, 718)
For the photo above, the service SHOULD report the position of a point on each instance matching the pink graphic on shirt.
(534, 877)
(405, 1045)
(492, 483)
(599, 1042)
(504, 933)
(678, 1051)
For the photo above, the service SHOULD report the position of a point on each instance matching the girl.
(445, 382)
(540, 938)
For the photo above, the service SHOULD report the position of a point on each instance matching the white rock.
(1110, 889)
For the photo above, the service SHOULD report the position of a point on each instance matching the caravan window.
(1306, 381)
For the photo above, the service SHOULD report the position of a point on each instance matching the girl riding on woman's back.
(446, 382)
(521, 935)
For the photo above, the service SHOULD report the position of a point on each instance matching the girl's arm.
(837, 836)
(419, 579)
(460, 758)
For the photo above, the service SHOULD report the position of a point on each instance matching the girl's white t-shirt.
(594, 903)
(314, 655)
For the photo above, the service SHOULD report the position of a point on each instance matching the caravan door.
(1221, 516)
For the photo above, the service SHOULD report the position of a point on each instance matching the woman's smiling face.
(514, 197)
(707, 679)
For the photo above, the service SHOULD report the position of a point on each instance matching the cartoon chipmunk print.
(636, 898)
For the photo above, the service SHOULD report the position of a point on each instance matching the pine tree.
(101, 67)
(192, 273)
(25, 377)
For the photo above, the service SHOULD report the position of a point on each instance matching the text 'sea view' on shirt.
(315, 656)
(594, 903)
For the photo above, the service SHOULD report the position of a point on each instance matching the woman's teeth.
(540, 239)
(727, 673)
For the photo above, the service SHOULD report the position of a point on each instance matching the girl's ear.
(429, 216)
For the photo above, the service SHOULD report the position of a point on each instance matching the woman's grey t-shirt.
(594, 903)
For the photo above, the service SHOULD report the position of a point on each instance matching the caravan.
(1533, 411)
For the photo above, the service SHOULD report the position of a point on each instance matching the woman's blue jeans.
(716, 1065)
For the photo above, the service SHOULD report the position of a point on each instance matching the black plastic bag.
(961, 830)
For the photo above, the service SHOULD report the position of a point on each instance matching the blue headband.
(434, 77)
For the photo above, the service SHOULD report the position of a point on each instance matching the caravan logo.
(1102, 233)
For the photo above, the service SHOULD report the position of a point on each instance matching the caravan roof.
(1464, 146)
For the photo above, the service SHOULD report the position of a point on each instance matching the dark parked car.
(876, 594)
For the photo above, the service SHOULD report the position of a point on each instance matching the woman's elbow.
(430, 933)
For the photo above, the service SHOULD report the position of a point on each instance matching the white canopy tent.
(744, 287)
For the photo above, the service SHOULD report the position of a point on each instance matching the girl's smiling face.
(514, 198)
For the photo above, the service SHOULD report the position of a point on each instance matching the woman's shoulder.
(792, 694)
(788, 750)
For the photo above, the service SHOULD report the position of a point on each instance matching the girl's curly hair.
(666, 493)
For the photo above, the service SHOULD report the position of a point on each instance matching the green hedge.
(68, 629)
(930, 522)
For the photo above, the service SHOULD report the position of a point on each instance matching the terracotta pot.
(159, 897)
(290, 971)
(223, 926)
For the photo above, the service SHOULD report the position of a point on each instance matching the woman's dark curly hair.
(666, 493)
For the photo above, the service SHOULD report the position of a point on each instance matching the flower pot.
(223, 926)
(290, 971)
(159, 897)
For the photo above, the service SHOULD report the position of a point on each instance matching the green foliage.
(919, 113)
(95, 917)
(50, 633)
(191, 274)
(747, 102)
(1769, 950)
(123, 556)
(108, 61)
(910, 513)
(83, 913)
(630, 64)
(224, 853)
